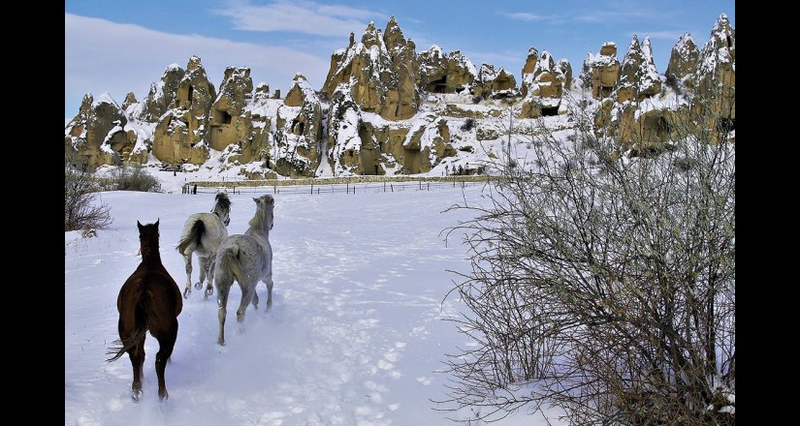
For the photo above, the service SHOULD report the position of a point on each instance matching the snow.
(104, 98)
(356, 336)
(435, 51)
(683, 42)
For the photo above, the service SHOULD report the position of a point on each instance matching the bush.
(135, 178)
(604, 284)
(81, 207)
(468, 125)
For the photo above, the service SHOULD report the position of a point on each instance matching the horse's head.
(148, 238)
(222, 207)
(265, 206)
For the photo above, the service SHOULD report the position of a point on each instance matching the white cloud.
(298, 16)
(523, 16)
(104, 56)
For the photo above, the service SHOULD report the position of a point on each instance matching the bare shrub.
(605, 287)
(135, 178)
(82, 208)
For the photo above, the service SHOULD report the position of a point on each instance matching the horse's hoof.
(136, 395)
(163, 396)
(186, 293)
(198, 285)
(209, 291)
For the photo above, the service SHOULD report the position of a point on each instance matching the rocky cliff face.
(638, 77)
(543, 84)
(383, 109)
(716, 70)
(646, 118)
(298, 136)
(227, 122)
(495, 83)
(682, 62)
(162, 94)
(380, 72)
(603, 70)
(97, 128)
(181, 130)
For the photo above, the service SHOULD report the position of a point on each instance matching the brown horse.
(149, 300)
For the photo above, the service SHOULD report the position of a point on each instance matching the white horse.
(248, 259)
(202, 234)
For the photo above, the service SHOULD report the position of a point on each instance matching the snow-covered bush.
(604, 284)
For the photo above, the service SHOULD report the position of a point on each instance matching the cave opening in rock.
(191, 94)
(438, 86)
(549, 111)
(222, 117)
(298, 126)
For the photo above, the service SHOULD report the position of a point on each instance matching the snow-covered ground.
(357, 334)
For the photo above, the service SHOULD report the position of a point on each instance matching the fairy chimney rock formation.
(565, 69)
(433, 70)
(605, 71)
(639, 78)
(180, 133)
(496, 83)
(97, 127)
(682, 61)
(380, 72)
(163, 93)
(543, 87)
(461, 73)
(716, 69)
(226, 121)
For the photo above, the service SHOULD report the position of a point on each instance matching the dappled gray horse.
(202, 234)
(247, 258)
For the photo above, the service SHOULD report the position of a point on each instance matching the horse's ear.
(256, 200)
(139, 225)
(158, 220)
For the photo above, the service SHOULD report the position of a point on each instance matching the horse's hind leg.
(166, 343)
(136, 354)
(128, 336)
(203, 272)
(247, 296)
(187, 259)
(268, 282)
(208, 266)
(223, 287)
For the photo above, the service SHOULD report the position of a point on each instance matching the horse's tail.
(119, 348)
(143, 316)
(194, 235)
(228, 262)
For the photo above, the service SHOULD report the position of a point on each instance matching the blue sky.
(123, 46)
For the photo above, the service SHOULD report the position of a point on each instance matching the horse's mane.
(259, 217)
(223, 201)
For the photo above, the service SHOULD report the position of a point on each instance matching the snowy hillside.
(356, 336)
